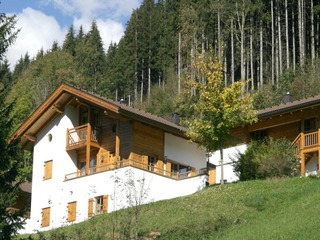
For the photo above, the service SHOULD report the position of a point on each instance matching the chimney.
(175, 118)
(287, 98)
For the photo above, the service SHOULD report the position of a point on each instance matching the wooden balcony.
(307, 142)
(139, 165)
(77, 137)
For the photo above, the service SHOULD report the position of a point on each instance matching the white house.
(90, 152)
(229, 155)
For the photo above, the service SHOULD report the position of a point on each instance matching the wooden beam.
(118, 140)
(303, 163)
(30, 137)
(54, 107)
(88, 148)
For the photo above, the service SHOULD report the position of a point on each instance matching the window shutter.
(105, 203)
(90, 207)
(168, 167)
(45, 217)
(47, 170)
(72, 211)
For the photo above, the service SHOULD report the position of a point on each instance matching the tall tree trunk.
(287, 35)
(179, 64)
(136, 60)
(221, 166)
(293, 42)
(272, 44)
(219, 32)
(232, 52)
(279, 40)
(313, 55)
(251, 54)
(261, 55)
(142, 80)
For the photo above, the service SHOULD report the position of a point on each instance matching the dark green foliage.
(268, 209)
(69, 43)
(7, 32)
(10, 161)
(266, 159)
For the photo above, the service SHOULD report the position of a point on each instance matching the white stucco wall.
(56, 193)
(183, 151)
(228, 155)
(312, 165)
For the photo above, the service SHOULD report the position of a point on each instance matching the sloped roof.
(283, 108)
(65, 93)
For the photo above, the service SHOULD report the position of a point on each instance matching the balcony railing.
(140, 165)
(77, 137)
(306, 140)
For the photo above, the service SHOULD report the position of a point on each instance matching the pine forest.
(272, 45)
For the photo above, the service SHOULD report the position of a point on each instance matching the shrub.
(266, 159)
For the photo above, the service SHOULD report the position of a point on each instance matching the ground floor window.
(180, 170)
(97, 205)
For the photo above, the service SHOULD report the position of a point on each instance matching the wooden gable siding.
(149, 141)
(108, 134)
(125, 139)
(287, 125)
(290, 131)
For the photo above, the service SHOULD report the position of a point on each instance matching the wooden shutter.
(168, 167)
(45, 217)
(90, 207)
(72, 211)
(105, 203)
(47, 170)
(212, 176)
(159, 165)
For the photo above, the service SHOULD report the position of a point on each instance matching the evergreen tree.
(10, 153)
(90, 56)
(69, 43)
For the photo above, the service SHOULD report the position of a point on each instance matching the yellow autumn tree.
(212, 108)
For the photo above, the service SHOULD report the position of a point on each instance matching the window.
(151, 162)
(47, 170)
(179, 170)
(72, 211)
(45, 217)
(258, 135)
(309, 124)
(98, 205)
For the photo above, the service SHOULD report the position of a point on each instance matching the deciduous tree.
(216, 108)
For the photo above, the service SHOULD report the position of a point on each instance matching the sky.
(41, 22)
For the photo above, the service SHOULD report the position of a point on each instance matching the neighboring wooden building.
(84, 144)
(298, 121)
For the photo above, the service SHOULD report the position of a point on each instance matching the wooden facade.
(298, 121)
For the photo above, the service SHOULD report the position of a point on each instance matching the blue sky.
(44, 21)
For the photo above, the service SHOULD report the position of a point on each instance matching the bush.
(266, 159)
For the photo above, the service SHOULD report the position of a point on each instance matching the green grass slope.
(270, 209)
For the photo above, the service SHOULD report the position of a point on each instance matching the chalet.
(298, 121)
(86, 149)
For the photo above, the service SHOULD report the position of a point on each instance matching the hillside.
(270, 209)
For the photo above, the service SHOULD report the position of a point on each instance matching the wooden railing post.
(303, 163)
(302, 141)
(88, 148)
(67, 138)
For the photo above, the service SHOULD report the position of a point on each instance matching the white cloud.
(37, 31)
(97, 8)
(110, 31)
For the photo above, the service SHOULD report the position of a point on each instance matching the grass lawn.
(270, 209)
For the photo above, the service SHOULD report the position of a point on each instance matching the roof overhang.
(65, 94)
(290, 107)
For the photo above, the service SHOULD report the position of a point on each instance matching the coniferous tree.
(69, 43)
(10, 153)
